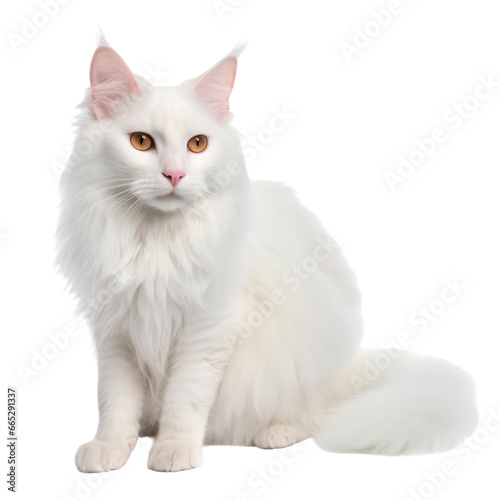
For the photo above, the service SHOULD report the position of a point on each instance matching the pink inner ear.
(216, 85)
(111, 80)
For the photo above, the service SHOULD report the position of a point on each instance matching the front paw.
(174, 455)
(103, 455)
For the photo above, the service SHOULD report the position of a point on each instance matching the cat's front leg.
(193, 381)
(121, 394)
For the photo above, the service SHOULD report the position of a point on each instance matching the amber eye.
(142, 141)
(198, 143)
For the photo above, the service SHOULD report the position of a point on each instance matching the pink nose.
(174, 177)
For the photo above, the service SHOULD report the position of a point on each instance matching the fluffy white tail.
(396, 403)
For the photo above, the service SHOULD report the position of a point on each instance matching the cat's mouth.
(167, 201)
(167, 196)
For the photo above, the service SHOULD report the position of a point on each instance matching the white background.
(352, 122)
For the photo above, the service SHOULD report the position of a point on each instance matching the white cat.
(222, 312)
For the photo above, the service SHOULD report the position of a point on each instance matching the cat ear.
(215, 86)
(111, 81)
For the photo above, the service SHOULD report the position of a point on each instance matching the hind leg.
(279, 435)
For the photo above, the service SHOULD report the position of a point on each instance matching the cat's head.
(163, 147)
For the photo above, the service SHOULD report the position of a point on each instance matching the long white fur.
(169, 287)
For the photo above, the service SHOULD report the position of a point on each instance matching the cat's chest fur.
(165, 278)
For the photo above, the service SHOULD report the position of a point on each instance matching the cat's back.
(291, 243)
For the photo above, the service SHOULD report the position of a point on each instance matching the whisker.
(96, 205)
